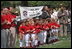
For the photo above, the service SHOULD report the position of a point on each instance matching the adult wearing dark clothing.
(46, 13)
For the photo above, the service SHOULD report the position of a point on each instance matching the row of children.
(35, 32)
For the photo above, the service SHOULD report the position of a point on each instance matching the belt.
(33, 33)
(26, 33)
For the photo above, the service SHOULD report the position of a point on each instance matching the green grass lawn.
(65, 42)
(59, 44)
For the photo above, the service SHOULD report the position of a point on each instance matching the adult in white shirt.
(54, 15)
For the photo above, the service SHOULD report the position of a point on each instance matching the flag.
(30, 12)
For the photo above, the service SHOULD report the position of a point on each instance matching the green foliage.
(5, 4)
(36, 3)
(53, 3)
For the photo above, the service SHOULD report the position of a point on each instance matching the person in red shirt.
(45, 28)
(3, 20)
(56, 27)
(50, 34)
(37, 26)
(27, 35)
(37, 31)
(53, 26)
(40, 34)
(48, 26)
(22, 31)
(34, 33)
(11, 19)
(5, 26)
(9, 25)
(3, 32)
(7, 17)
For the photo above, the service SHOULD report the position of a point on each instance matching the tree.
(35, 3)
(53, 3)
(5, 4)
(24, 3)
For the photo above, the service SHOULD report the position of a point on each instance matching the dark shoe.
(38, 42)
(21, 47)
(57, 39)
(54, 40)
(41, 43)
(29, 47)
(34, 46)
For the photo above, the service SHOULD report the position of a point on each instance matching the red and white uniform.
(26, 31)
(54, 26)
(22, 29)
(45, 28)
(27, 35)
(37, 28)
(33, 35)
(39, 31)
